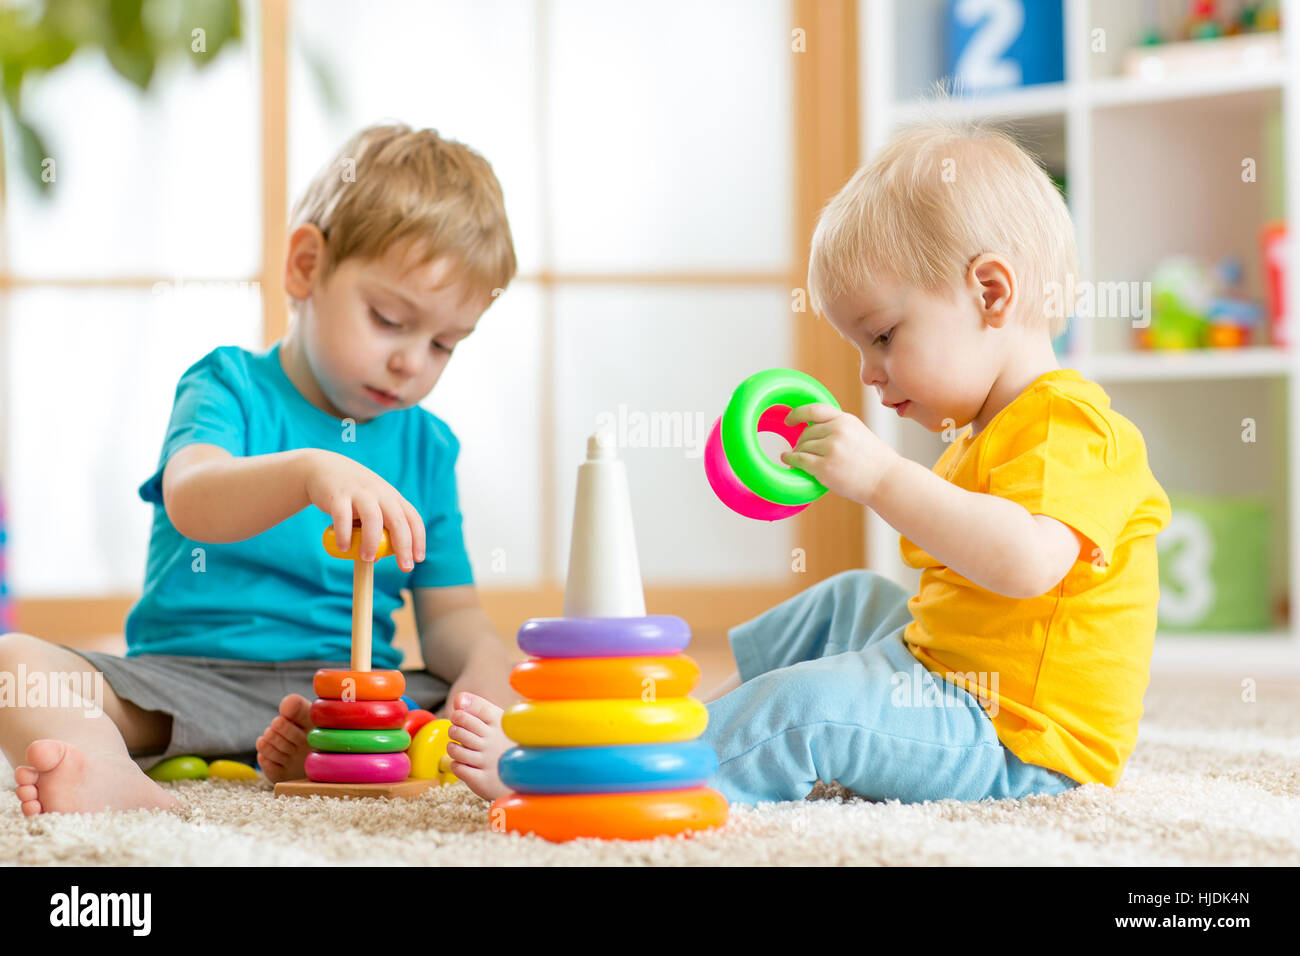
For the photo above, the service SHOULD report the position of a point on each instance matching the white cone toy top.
(604, 574)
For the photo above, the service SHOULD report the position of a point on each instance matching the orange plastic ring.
(353, 551)
(359, 685)
(643, 815)
(567, 678)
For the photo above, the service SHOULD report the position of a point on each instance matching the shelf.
(1191, 364)
(1134, 91)
(1046, 99)
(1053, 98)
(1247, 655)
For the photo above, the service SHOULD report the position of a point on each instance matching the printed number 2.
(980, 65)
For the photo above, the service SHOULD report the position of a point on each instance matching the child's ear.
(993, 282)
(303, 261)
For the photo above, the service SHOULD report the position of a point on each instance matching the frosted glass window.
(488, 395)
(92, 375)
(669, 128)
(464, 69)
(668, 358)
(166, 183)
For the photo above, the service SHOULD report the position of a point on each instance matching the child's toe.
(465, 721)
(480, 707)
(459, 753)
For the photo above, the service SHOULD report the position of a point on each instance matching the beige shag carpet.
(1215, 780)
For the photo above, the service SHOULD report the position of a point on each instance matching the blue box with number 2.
(1003, 44)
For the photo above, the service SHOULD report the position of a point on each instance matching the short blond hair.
(391, 185)
(938, 194)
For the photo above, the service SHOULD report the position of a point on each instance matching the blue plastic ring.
(604, 636)
(673, 766)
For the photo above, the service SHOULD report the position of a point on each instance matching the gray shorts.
(219, 707)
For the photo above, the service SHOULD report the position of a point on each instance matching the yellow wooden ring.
(353, 552)
(428, 752)
(594, 723)
(566, 678)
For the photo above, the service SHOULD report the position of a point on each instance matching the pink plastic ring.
(730, 490)
(358, 768)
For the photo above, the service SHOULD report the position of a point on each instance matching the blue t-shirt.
(278, 596)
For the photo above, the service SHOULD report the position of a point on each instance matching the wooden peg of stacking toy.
(363, 588)
(361, 744)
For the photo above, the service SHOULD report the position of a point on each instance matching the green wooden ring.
(335, 741)
(739, 432)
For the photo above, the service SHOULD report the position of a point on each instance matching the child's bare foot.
(477, 743)
(282, 749)
(62, 778)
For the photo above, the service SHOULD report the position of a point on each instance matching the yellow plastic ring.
(595, 723)
(353, 552)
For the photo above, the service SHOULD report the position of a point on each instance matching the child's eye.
(444, 348)
(884, 337)
(383, 321)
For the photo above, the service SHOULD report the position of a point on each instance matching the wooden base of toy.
(410, 787)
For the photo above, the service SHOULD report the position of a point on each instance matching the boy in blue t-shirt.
(397, 247)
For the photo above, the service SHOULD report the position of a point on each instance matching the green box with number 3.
(1214, 564)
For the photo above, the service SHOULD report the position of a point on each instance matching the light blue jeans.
(830, 692)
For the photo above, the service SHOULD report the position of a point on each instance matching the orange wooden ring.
(643, 815)
(359, 685)
(568, 678)
(353, 551)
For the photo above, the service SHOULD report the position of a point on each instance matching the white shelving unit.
(1149, 144)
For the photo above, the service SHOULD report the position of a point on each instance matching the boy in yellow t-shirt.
(1020, 664)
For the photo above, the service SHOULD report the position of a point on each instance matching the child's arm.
(460, 644)
(988, 540)
(211, 495)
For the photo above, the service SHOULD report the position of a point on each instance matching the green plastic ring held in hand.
(754, 396)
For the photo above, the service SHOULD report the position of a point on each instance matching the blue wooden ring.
(604, 636)
(671, 766)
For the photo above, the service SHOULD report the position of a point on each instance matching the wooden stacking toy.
(365, 741)
(606, 733)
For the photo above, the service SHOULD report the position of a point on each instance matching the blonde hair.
(390, 185)
(938, 194)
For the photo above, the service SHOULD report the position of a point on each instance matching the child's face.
(932, 352)
(385, 325)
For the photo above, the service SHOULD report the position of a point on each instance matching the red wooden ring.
(415, 719)
(358, 714)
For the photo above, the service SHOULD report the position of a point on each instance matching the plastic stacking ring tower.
(360, 743)
(606, 734)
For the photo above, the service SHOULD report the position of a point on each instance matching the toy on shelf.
(992, 47)
(739, 471)
(606, 735)
(1273, 249)
(364, 740)
(1193, 306)
(1207, 42)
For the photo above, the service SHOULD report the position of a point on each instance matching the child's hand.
(839, 451)
(342, 488)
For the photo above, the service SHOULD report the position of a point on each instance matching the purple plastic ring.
(604, 636)
(358, 768)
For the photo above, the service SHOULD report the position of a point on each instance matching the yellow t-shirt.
(1061, 675)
